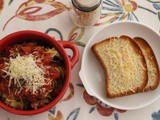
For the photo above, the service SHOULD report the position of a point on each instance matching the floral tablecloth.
(52, 18)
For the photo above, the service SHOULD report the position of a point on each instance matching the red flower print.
(76, 35)
(102, 110)
(59, 116)
(40, 1)
(130, 6)
(89, 99)
(27, 11)
(71, 94)
(121, 111)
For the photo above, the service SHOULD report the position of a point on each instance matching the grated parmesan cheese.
(25, 67)
(122, 64)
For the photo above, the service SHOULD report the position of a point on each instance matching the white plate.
(92, 74)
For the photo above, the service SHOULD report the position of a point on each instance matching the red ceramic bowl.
(23, 36)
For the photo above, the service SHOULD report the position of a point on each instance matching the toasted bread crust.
(151, 57)
(138, 51)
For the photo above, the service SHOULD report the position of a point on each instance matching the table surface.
(52, 18)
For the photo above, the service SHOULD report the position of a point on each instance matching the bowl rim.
(67, 66)
(89, 90)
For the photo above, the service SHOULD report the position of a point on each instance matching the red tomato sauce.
(24, 98)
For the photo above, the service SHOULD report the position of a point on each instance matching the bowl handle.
(70, 45)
